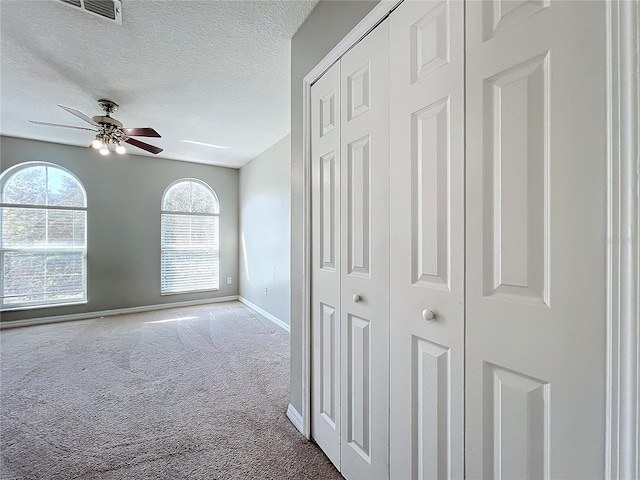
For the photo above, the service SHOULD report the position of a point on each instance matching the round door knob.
(428, 315)
(357, 298)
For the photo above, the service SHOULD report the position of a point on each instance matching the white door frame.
(623, 244)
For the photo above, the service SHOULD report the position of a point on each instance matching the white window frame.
(4, 177)
(171, 212)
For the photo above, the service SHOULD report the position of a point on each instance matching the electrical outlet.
(266, 292)
(228, 280)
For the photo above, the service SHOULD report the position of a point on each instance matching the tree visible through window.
(190, 243)
(43, 242)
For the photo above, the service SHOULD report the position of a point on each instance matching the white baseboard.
(265, 314)
(108, 313)
(295, 418)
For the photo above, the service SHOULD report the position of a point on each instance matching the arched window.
(43, 237)
(190, 237)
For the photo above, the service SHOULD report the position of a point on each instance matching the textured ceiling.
(208, 71)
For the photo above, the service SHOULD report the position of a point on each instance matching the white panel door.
(364, 281)
(326, 257)
(427, 240)
(536, 208)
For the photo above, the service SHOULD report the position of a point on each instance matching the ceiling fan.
(109, 130)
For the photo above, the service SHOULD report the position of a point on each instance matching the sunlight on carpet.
(198, 393)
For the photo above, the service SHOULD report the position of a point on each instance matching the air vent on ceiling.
(109, 9)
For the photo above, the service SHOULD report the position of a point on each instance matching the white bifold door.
(459, 217)
(350, 255)
(536, 217)
(427, 240)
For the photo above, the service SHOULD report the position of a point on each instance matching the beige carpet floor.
(198, 393)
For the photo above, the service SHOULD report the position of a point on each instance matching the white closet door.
(427, 240)
(365, 257)
(326, 257)
(536, 208)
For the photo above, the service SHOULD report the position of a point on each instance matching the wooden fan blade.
(141, 132)
(80, 115)
(65, 126)
(143, 146)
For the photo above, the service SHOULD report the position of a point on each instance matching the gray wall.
(329, 22)
(265, 241)
(123, 235)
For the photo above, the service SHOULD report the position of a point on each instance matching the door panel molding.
(359, 206)
(430, 195)
(517, 424)
(516, 167)
(359, 385)
(430, 43)
(431, 405)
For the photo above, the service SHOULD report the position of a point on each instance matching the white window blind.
(43, 223)
(189, 238)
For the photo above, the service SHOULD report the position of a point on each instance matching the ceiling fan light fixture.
(109, 129)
